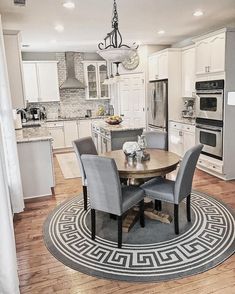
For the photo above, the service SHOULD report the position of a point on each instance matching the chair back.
(103, 183)
(184, 179)
(84, 146)
(156, 139)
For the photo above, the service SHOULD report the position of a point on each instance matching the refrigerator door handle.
(153, 107)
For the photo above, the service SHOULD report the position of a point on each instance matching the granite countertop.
(75, 118)
(115, 128)
(185, 121)
(32, 134)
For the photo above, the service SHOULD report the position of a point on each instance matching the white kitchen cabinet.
(84, 128)
(188, 72)
(210, 55)
(14, 67)
(70, 132)
(36, 167)
(41, 81)
(181, 137)
(95, 73)
(56, 131)
(158, 66)
(48, 81)
(31, 82)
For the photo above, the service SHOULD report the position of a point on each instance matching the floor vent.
(20, 2)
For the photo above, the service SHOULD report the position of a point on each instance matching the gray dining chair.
(159, 140)
(175, 191)
(156, 139)
(84, 146)
(106, 192)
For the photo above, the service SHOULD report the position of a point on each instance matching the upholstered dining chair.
(156, 139)
(175, 191)
(106, 192)
(84, 146)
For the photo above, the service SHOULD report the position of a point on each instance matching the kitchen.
(61, 93)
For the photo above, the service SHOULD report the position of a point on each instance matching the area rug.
(149, 254)
(69, 165)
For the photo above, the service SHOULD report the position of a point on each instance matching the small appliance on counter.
(37, 113)
(188, 111)
(88, 113)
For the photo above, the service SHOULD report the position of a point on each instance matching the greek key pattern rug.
(204, 244)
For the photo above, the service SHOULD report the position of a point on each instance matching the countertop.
(32, 134)
(115, 128)
(75, 118)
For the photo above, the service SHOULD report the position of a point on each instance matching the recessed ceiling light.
(198, 13)
(161, 32)
(69, 4)
(59, 28)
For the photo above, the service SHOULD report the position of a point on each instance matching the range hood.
(71, 81)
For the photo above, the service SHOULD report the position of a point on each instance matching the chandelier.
(112, 49)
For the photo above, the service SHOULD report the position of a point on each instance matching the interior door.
(132, 100)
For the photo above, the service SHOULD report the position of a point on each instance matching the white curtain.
(8, 133)
(9, 283)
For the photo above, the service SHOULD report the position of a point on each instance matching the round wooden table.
(161, 163)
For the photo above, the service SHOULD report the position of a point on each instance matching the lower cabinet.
(84, 128)
(56, 131)
(181, 137)
(70, 132)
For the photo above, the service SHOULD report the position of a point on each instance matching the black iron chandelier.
(112, 49)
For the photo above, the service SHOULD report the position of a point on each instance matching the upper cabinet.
(188, 72)
(41, 81)
(14, 67)
(158, 66)
(95, 73)
(210, 55)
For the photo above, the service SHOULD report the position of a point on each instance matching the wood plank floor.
(40, 272)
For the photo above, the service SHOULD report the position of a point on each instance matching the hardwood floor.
(40, 272)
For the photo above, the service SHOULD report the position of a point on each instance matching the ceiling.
(87, 24)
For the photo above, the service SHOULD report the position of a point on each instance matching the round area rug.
(153, 253)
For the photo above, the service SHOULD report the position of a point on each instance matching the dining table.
(160, 163)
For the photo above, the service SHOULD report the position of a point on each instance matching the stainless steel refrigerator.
(157, 105)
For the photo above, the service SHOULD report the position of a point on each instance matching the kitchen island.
(34, 146)
(112, 137)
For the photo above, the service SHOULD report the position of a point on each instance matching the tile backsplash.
(72, 101)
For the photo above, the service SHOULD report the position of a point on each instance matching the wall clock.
(132, 61)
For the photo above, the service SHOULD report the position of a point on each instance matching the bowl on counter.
(113, 120)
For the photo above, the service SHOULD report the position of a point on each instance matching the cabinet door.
(153, 67)
(84, 128)
(176, 141)
(202, 56)
(30, 82)
(48, 81)
(188, 72)
(70, 132)
(14, 67)
(91, 79)
(57, 134)
(102, 74)
(189, 140)
(217, 53)
(163, 66)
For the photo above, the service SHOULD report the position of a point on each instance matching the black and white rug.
(153, 253)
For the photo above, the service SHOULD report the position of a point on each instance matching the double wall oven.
(209, 117)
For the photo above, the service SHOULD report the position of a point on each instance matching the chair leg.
(120, 231)
(158, 205)
(188, 200)
(176, 218)
(93, 224)
(85, 197)
(142, 221)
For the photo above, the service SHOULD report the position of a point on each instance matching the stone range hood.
(71, 81)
